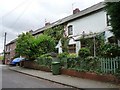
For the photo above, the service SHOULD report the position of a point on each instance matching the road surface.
(11, 79)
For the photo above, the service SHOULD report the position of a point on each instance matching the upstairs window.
(70, 30)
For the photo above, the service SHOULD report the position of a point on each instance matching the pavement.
(15, 80)
(64, 79)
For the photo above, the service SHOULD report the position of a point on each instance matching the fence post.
(111, 67)
(119, 64)
(114, 65)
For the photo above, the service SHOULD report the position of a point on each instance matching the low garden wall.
(91, 76)
(71, 72)
(34, 65)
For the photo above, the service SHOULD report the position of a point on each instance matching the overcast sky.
(17, 16)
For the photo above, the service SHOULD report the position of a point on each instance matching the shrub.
(110, 50)
(45, 60)
(72, 55)
(31, 47)
(44, 44)
(62, 55)
(24, 46)
(63, 58)
(91, 63)
(84, 52)
(45, 55)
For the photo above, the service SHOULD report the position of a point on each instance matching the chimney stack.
(30, 31)
(76, 11)
(47, 23)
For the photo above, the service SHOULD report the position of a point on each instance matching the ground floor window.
(112, 39)
(72, 48)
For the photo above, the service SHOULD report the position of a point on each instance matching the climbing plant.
(65, 41)
(113, 9)
(55, 32)
(89, 43)
(58, 33)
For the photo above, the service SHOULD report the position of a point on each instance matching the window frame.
(70, 30)
(72, 48)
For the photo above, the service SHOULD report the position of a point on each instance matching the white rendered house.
(93, 19)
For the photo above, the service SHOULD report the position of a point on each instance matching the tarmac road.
(11, 79)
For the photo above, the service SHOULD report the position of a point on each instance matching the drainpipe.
(94, 47)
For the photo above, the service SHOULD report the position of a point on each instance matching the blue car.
(16, 61)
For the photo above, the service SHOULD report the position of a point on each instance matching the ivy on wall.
(58, 33)
(55, 32)
(89, 43)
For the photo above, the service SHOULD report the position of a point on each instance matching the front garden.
(38, 51)
(101, 69)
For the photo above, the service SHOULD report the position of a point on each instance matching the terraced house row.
(89, 22)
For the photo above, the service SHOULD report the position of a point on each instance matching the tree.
(113, 9)
(110, 50)
(58, 33)
(55, 32)
(44, 44)
(24, 45)
(31, 47)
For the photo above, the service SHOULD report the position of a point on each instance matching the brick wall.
(86, 75)
(10, 52)
(92, 76)
(34, 65)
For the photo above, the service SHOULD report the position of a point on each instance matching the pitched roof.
(82, 13)
(11, 42)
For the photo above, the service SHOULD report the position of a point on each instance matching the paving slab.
(65, 79)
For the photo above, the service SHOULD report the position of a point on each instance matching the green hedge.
(82, 64)
(88, 64)
(44, 60)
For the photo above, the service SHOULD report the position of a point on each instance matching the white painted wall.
(59, 45)
(93, 23)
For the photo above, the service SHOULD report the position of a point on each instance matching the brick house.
(10, 51)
